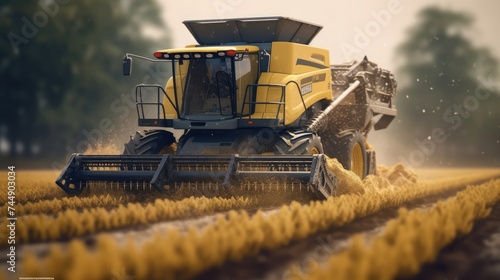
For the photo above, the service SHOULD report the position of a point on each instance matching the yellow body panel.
(291, 58)
(294, 107)
(169, 89)
(304, 71)
(170, 110)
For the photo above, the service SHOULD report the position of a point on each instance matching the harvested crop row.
(178, 256)
(71, 223)
(38, 189)
(36, 186)
(56, 205)
(412, 239)
(33, 186)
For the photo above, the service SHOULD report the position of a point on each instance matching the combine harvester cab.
(259, 107)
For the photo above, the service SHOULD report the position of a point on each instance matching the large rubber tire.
(298, 143)
(350, 151)
(149, 142)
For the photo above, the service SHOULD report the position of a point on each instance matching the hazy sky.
(342, 21)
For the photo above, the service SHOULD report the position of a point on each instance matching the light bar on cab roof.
(193, 55)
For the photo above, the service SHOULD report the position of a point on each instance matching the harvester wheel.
(351, 152)
(149, 142)
(298, 143)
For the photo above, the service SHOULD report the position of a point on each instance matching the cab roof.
(252, 30)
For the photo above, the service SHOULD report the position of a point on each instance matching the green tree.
(447, 107)
(60, 69)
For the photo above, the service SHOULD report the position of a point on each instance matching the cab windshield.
(214, 88)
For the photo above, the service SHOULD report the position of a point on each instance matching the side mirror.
(127, 65)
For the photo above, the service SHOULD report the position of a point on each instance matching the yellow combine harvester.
(257, 104)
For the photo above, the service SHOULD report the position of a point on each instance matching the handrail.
(280, 103)
(283, 97)
(300, 93)
(140, 103)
